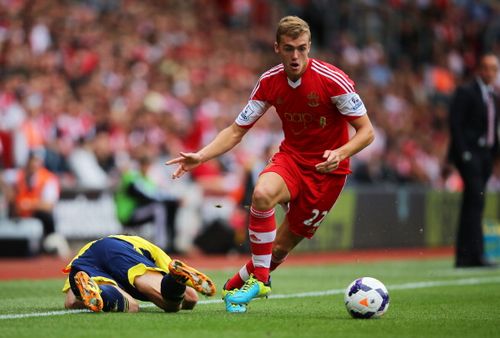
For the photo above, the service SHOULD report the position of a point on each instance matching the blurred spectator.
(222, 192)
(84, 164)
(33, 193)
(140, 201)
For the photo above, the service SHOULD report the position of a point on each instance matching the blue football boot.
(232, 307)
(252, 288)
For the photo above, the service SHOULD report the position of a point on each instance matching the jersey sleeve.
(344, 96)
(256, 107)
(349, 105)
(341, 91)
(251, 113)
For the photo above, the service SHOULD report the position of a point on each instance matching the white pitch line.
(405, 286)
(41, 314)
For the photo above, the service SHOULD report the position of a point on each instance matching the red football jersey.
(314, 110)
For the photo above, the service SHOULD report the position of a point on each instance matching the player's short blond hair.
(292, 26)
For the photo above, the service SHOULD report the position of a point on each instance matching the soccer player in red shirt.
(315, 102)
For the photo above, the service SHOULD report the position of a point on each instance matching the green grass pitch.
(428, 299)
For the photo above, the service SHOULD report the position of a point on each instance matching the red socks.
(262, 232)
(241, 276)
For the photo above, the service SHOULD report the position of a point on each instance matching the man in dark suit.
(474, 112)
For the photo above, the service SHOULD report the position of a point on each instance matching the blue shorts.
(110, 258)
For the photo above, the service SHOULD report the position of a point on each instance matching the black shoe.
(478, 264)
(489, 265)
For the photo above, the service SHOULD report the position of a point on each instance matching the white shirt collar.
(294, 84)
(485, 89)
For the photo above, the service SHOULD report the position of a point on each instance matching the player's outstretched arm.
(363, 137)
(226, 140)
(186, 162)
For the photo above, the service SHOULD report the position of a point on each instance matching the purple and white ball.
(366, 297)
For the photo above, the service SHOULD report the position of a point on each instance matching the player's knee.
(263, 198)
(70, 304)
(171, 306)
(188, 305)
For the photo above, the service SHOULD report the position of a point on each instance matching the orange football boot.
(189, 276)
(89, 291)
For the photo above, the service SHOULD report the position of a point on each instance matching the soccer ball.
(366, 297)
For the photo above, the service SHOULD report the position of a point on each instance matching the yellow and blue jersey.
(118, 260)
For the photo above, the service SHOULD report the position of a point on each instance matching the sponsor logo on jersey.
(322, 121)
(313, 99)
(299, 121)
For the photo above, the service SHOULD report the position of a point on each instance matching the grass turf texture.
(447, 309)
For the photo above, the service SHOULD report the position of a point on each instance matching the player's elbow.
(71, 302)
(237, 133)
(367, 134)
(68, 305)
(370, 135)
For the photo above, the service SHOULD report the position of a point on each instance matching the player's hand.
(187, 162)
(333, 159)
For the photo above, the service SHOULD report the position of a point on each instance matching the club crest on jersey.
(313, 99)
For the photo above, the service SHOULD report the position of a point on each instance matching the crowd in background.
(95, 83)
